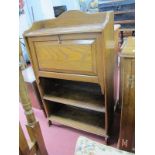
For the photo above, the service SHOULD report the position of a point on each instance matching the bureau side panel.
(31, 52)
(109, 63)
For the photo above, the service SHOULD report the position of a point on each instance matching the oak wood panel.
(128, 48)
(44, 38)
(33, 60)
(92, 105)
(81, 36)
(70, 36)
(127, 100)
(75, 77)
(100, 62)
(33, 57)
(66, 56)
(75, 22)
(127, 95)
(109, 63)
(66, 30)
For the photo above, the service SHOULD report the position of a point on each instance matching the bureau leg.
(49, 123)
(107, 140)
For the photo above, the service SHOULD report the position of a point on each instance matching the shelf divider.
(78, 99)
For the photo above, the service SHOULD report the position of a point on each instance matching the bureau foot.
(49, 123)
(107, 140)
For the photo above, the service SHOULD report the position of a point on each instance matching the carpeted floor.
(59, 139)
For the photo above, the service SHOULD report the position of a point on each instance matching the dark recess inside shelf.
(76, 114)
(78, 94)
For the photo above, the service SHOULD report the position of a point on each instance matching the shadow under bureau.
(73, 60)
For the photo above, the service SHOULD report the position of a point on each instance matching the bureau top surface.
(70, 22)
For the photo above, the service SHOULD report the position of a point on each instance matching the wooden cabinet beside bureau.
(127, 95)
(73, 61)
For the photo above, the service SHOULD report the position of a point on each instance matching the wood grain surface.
(75, 56)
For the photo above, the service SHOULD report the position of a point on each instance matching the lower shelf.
(89, 121)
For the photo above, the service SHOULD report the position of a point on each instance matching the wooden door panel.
(76, 56)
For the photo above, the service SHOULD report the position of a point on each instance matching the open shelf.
(77, 118)
(79, 105)
(82, 95)
(77, 98)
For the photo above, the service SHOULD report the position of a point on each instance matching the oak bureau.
(73, 60)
